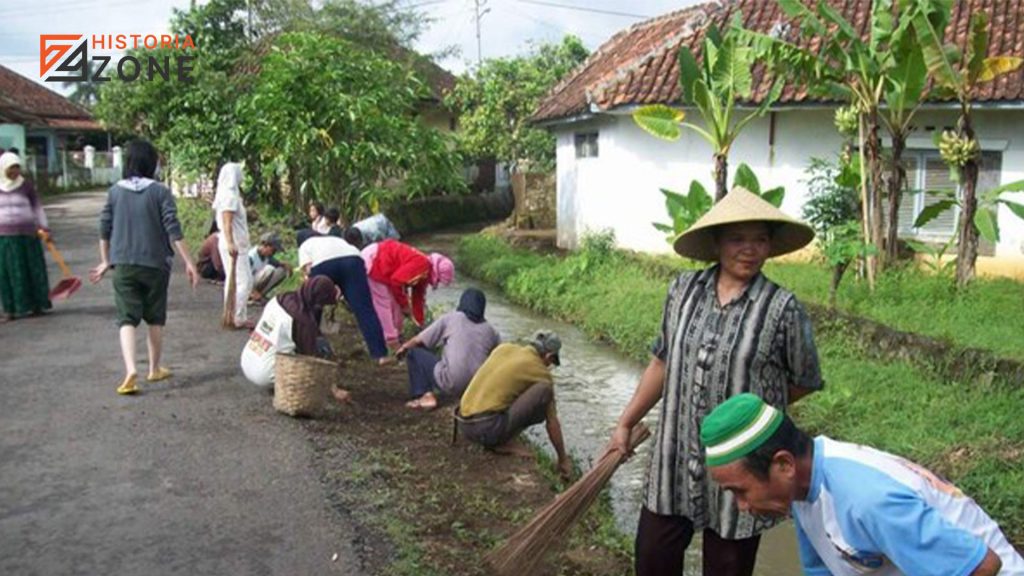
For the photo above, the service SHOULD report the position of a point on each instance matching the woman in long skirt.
(24, 287)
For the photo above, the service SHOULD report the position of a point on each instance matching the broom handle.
(60, 259)
(229, 299)
(637, 436)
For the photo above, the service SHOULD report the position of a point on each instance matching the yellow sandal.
(128, 386)
(162, 373)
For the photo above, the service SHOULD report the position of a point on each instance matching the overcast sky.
(506, 28)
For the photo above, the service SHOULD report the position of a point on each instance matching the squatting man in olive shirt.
(512, 391)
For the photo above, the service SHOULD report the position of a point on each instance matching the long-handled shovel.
(70, 283)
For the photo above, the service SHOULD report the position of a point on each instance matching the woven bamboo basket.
(302, 384)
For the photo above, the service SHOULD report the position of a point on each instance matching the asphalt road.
(196, 475)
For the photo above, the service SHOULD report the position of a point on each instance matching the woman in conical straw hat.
(725, 330)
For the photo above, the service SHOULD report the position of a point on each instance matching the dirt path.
(439, 507)
(197, 475)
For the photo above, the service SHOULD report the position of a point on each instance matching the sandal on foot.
(421, 404)
(162, 373)
(128, 386)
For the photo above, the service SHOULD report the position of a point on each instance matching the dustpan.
(70, 283)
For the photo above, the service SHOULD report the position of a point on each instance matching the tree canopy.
(323, 98)
(496, 100)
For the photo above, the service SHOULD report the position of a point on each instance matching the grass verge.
(196, 215)
(970, 432)
(987, 315)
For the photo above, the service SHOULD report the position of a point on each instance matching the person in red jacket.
(399, 275)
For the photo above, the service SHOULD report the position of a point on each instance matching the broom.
(525, 549)
(69, 283)
(227, 318)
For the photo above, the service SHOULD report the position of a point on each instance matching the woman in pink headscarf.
(399, 275)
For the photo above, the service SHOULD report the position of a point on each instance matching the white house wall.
(619, 190)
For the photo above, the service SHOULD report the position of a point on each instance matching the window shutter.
(908, 204)
(586, 145)
(936, 179)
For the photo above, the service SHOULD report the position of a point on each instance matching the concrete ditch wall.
(427, 214)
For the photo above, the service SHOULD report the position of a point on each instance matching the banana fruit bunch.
(847, 120)
(957, 150)
(845, 156)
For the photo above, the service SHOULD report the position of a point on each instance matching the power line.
(582, 9)
(421, 4)
(549, 25)
(20, 12)
(49, 7)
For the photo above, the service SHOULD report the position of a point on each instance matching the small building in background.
(609, 171)
(51, 134)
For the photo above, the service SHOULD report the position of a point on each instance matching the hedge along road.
(196, 475)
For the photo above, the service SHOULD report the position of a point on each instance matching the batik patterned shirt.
(761, 342)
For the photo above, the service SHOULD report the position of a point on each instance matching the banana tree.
(713, 86)
(863, 72)
(685, 209)
(958, 75)
(904, 93)
(985, 220)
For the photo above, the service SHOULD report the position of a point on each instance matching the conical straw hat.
(740, 205)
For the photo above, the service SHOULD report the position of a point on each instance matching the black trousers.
(661, 543)
(349, 274)
(421, 364)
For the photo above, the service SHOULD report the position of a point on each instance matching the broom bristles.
(525, 549)
(227, 317)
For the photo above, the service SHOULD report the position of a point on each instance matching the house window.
(926, 171)
(586, 145)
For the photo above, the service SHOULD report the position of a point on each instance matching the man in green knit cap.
(857, 510)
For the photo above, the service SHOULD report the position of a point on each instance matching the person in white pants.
(233, 244)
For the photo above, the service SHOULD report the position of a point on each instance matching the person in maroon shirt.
(208, 262)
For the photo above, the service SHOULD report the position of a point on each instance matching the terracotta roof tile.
(84, 124)
(638, 65)
(24, 98)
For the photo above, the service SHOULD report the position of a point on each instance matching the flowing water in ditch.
(593, 384)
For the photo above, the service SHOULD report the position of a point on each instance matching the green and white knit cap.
(737, 427)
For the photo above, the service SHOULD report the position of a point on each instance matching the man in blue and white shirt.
(376, 228)
(857, 510)
(267, 271)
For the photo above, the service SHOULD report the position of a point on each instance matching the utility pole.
(478, 4)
